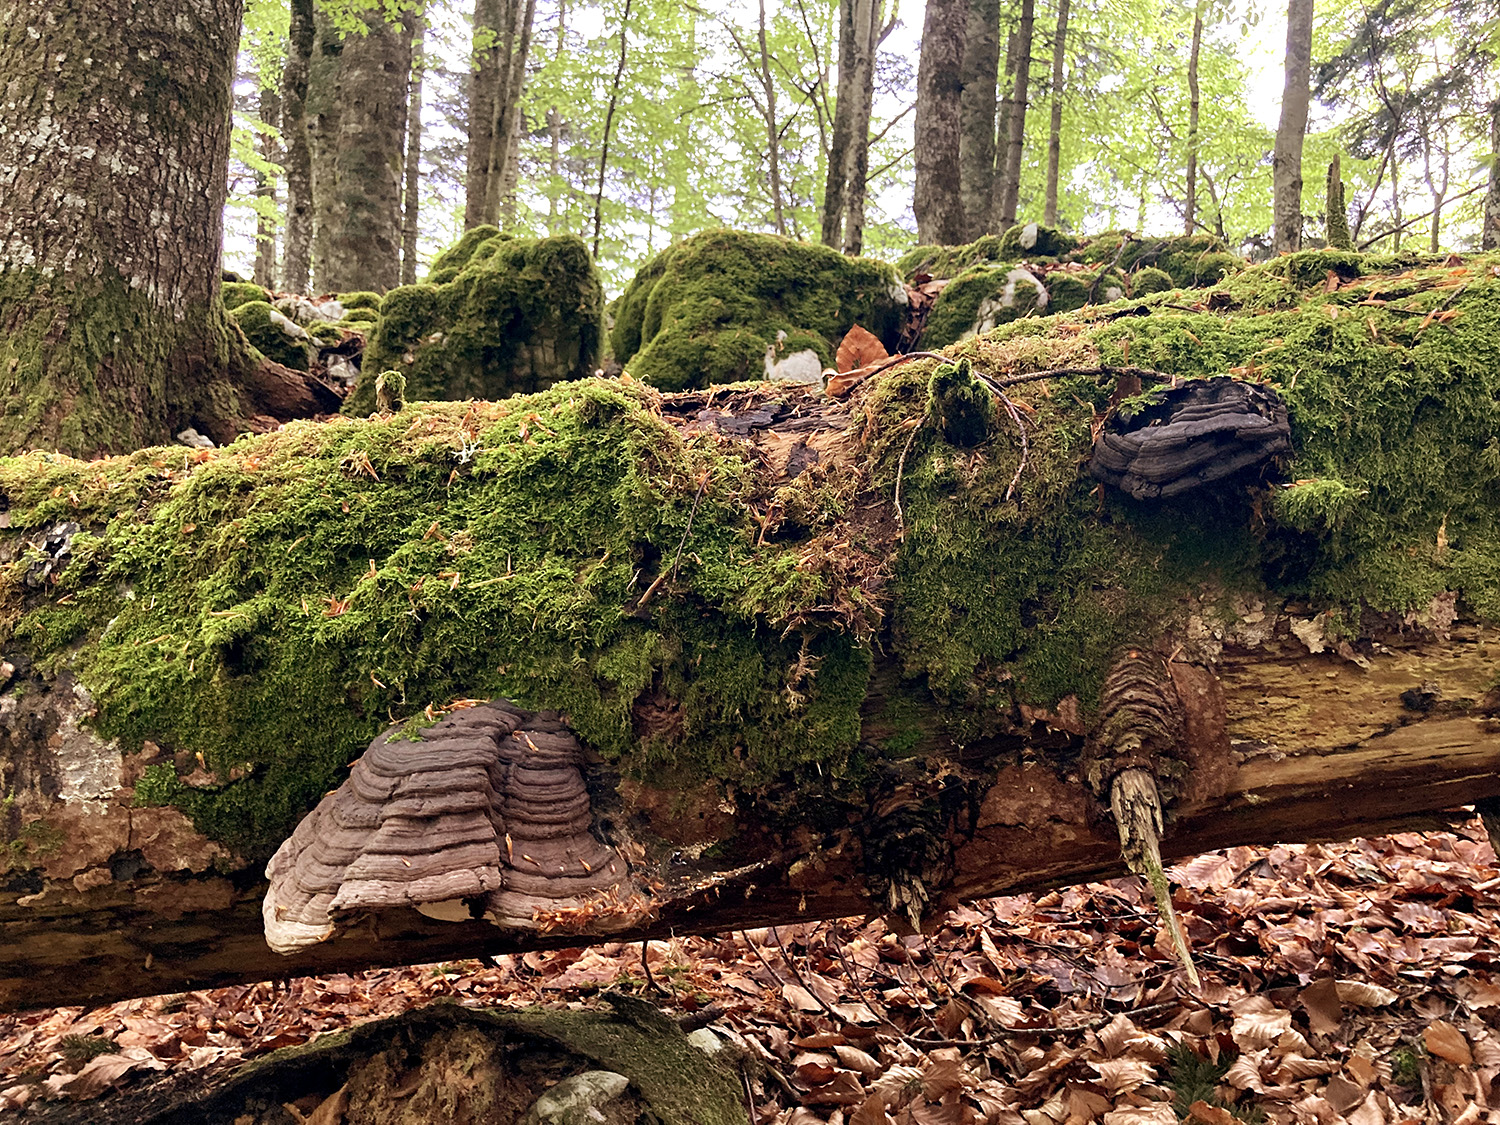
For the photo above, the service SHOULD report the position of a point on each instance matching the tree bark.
(609, 121)
(505, 153)
(265, 191)
(1286, 160)
(502, 42)
(976, 139)
(1190, 201)
(843, 224)
(1010, 182)
(113, 176)
(773, 133)
(1490, 236)
(937, 199)
(1054, 135)
(832, 233)
(411, 190)
(360, 86)
(296, 259)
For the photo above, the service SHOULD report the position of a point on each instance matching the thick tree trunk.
(1490, 237)
(360, 91)
(505, 158)
(1054, 134)
(976, 140)
(937, 199)
(265, 192)
(843, 225)
(1286, 160)
(1190, 201)
(113, 175)
(296, 259)
(411, 190)
(1010, 180)
(502, 42)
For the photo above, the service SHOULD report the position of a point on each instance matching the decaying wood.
(1286, 735)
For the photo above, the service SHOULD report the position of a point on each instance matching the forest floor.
(1354, 982)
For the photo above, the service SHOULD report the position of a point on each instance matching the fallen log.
(818, 658)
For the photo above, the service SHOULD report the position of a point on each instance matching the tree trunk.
(554, 132)
(265, 192)
(410, 195)
(296, 259)
(1054, 135)
(1490, 236)
(843, 128)
(1010, 183)
(359, 88)
(857, 156)
(502, 41)
(609, 120)
(505, 153)
(1286, 160)
(113, 176)
(937, 200)
(1190, 202)
(976, 138)
(908, 694)
(773, 133)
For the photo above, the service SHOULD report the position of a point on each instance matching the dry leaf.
(1259, 1029)
(1447, 1042)
(1363, 995)
(859, 348)
(1320, 1000)
(1210, 1114)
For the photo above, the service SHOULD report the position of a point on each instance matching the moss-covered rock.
(237, 293)
(361, 299)
(325, 333)
(274, 335)
(517, 315)
(451, 262)
(720, 306)
(361, 316)
(1032, 240)
(1144, 282)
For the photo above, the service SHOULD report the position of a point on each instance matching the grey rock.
(577, 1100)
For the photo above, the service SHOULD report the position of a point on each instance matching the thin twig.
(787, 961)
(755, 949)
(697, 497)
(900, 470)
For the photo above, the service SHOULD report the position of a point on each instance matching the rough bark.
(976, 140)
(849, 148)
(113, 175)
(843, 132)
(411, 189)
(1190, 200)
(1010, 179)
(502, 42)
(1054, 133)
(609, 120)
(937, 200)
(1286, 159)
(296, 259)
(505, 158)
(768, 112)
(1490, 237)
(358, 102)
(265, 191)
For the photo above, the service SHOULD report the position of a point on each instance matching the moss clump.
(518, 316)
(325, 333)
(1150, 280)
(1339, 237)
(451, 262)
(1032, 240)
(360, 318)
(981, 298)
(708, 309)
(266, 329)
(237, 293)
(362, 299)
(1066, 291)
(962, 409)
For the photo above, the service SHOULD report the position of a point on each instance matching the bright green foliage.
(517, 315)
(237, 293)
(709, 309)
(262, 329)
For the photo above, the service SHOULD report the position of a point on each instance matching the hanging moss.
(709, 309)
(518, 316)
(266, 329)
(237, 293)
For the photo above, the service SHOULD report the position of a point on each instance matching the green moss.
(1032, 240)
(1150, 280)
(325, 333)
(237, 293)
(1066, 292)
(260, 324)
(363, 299)
(360, 318)
(706, 311)
(977, 301)
(517, 316)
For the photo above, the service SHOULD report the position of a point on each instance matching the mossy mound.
(1150, 280)
(361, 316)
(273, 335)
(988, 295)
(325, 333)
(1036, 241)
(711, 309)
(451, 262)
(363, 299)
(517, 316)
(237, 293)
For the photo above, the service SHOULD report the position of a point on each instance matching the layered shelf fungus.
(482, 815)
(1173, 439)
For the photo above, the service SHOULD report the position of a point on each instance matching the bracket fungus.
(1189, 435)
(482, 815)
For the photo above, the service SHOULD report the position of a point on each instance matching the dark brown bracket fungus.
(482, 815)
(1190, 435)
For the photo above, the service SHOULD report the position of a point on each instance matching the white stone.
(799, 367)
(576, 1100)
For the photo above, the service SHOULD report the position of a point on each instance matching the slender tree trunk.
(323, 111)
(505, 150)
(1490, 237)
(1010, 192)
(410, 203)
(843, 127)
(1395, 200)
(773, 134)
(858, 157)
(492, 20)
(1286, 163)
(937, 199)
(297, 249)
(1054, 135)
(976, 137)
(113, 176)
(265, 191)
(609, 120)
(1190, 202)
(554, 131)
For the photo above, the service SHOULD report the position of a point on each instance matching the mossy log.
(822, 660)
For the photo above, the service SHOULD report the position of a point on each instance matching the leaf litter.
(1341, 983)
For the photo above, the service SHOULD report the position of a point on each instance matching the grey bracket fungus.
(483, 814)
(1191, 435)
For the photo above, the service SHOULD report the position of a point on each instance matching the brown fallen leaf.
(1447, 1042)
(859, 348)
(1200, 1110)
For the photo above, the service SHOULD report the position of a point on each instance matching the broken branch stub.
(482, 815)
